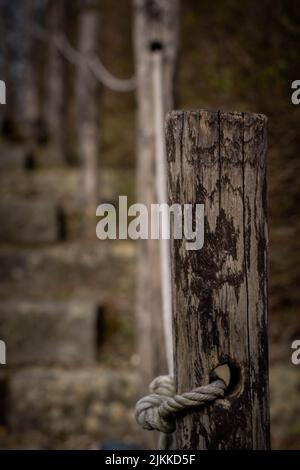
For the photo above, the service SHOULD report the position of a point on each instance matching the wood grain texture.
(220, 292)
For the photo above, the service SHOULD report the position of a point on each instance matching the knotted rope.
(157, 411)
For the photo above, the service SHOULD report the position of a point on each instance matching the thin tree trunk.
(154, 22)
(54, 100)
(87, 105)
(22, 91)
(2, 58)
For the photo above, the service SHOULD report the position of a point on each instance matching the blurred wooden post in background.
(220, 291)
(2, 61)
(87, 105)
(55, 81)
(155, 21)
(22, 112)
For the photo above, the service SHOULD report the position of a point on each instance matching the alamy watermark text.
(160, 221)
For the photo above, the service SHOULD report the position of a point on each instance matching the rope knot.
(158, 410)
(149, 410)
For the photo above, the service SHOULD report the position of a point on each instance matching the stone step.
(59, 183)
(56, 403)
(50, 404)
(28, 190)
(29, 221)
(63, 184)
(13, 156)
(285, 403)
(101, 271)
(47, 333)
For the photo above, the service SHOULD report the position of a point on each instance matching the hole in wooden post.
(155, 46)
(235, 383)
(231, 374)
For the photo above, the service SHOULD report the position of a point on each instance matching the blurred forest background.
(67, 299)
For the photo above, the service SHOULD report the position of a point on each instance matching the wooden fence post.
(87, 92)
(154, 22)
(220, 291)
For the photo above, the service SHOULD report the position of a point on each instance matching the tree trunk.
(2, 60)
(87, 106)
(220, 291)
(54, 100)
(154, 22)
(22, 111)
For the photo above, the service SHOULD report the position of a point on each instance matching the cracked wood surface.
(220, 292)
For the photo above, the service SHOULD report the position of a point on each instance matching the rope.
(161, 191)
(157, 411)
(80, 60)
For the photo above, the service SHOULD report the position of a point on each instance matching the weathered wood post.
(156, 24)
(2, 68)
(87, 92)
(220, 291)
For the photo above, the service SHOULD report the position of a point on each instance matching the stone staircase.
(66, 311)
